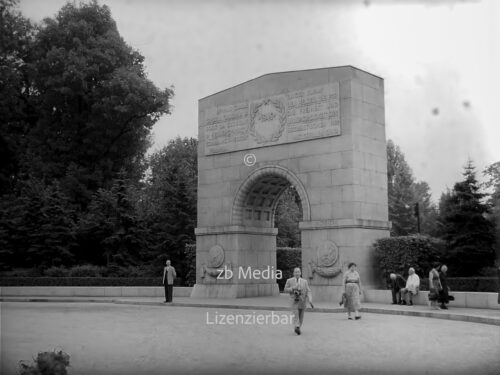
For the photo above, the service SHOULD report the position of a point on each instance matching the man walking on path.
(168, 281)
(300, 294)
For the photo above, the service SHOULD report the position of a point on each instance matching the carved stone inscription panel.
(291, 117)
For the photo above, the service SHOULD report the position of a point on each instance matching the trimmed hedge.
(87, 270)
(397, 254)
(468, 284)
(287, 258)
(84, 281)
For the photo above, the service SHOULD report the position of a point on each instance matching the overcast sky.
(439, 60)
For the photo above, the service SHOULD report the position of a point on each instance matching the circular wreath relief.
(267, 120)
(327, 256)
(215, 256)
(215, 260)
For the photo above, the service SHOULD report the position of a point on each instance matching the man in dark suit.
(168, 281)
(397, 283)
(300, 293)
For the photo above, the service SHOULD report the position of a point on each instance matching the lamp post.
(416, 210)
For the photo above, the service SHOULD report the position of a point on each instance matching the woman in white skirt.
(353, 290)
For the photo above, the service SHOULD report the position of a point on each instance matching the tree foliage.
(404, 192)
(398, 254)
(287, 217)
(37, 227)
(112, 230)
(16, 112)
(77, 105)
(465, 227)
(492, 172)
(168, 202)
(190, 258)
(76, 112)
(91, 90)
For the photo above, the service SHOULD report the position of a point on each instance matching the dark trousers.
(396, 295)
(405, 292)
(169, 290)
(298, 317)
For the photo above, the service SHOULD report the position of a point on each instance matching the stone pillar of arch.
(321, 131)
(248, 243)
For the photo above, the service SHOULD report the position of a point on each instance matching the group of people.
(439, 291)
(404, 290)
(299, 291)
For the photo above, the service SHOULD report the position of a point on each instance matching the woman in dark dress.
(444, 296)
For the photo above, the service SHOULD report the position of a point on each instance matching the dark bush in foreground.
(46, 363)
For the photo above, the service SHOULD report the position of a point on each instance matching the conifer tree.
(465, 228)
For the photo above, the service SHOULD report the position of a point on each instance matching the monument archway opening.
(257, 203)
(321, 131)
(256, 200)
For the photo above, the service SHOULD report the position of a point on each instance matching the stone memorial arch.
(321, 131)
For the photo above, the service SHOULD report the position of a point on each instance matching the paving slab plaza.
(134, 336)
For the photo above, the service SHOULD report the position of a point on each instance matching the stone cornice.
(345, 223)
(231, 229)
